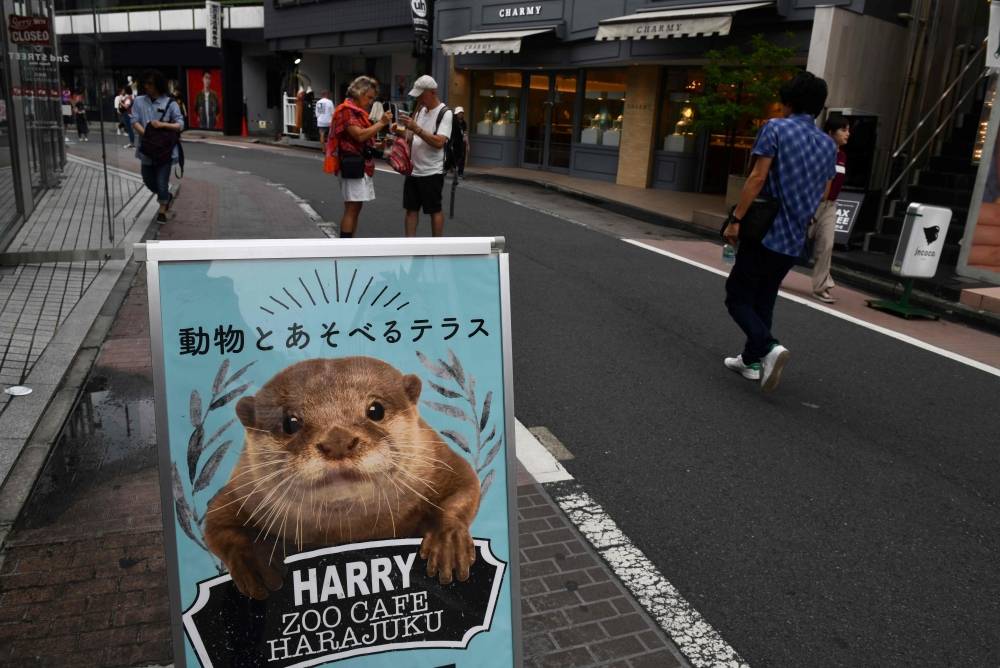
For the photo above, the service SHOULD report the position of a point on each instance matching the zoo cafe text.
(360, 624)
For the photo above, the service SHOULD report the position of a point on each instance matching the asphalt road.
(848, 519)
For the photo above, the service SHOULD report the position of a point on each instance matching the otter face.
(333, 425)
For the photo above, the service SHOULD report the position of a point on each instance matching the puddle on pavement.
(111, 433)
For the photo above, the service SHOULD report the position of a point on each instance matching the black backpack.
(449, 147)
(158, 144)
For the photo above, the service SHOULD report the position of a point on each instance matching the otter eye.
(376, 412)
(291, 424)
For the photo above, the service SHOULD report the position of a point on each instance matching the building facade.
(603, 90)
(103, 49)
(333, 41)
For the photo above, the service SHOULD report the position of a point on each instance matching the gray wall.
(352, 22)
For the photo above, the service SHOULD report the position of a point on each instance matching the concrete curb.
(954, 311)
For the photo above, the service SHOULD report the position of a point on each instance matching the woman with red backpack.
(352, 148)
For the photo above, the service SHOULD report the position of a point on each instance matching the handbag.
(805, 256)
(352, 165)
(331, 164)
(399, 157)
(758, 219)
(158, 143)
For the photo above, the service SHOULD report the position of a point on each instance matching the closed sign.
(29, 30)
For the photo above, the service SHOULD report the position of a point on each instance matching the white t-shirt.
(428, 160)
(118, 103)
(324, 112)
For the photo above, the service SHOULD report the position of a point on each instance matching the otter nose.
(338, 443)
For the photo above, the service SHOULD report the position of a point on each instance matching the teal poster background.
(377, 307)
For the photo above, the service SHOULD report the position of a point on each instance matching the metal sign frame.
(154, 253)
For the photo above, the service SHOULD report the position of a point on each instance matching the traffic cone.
(244, 133)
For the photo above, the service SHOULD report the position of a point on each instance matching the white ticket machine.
(917, 255)
(921, 241)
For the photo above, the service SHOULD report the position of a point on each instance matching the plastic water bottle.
(729, 255)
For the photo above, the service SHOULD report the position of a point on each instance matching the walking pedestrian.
(324, 116)
(157, 110)
(428, 133)
(793, 160)
(82, 126)
(184, 110)
(126, 113)
(839, 128)
(118, 112)
(353, 140)
(460, 142)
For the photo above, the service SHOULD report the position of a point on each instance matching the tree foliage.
(742, 85)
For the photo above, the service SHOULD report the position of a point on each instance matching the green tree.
(740, 86)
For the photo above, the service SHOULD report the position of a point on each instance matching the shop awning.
(690, 21)
(508, 41)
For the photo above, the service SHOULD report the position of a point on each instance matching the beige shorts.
(357, 190)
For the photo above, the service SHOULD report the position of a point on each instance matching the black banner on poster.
(848, 206)
(341, 602)
(421, 24)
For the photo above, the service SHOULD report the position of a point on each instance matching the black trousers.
(751, 290)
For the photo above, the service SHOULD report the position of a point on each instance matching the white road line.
(536, 458)
(843, 316)
(695, 637)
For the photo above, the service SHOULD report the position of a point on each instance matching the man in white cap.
(428, 133)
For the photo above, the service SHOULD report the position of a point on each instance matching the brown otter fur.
(336, 452)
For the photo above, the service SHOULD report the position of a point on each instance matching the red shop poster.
(205, 98)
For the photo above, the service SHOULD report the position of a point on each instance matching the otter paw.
(447, 551)
(254, 575)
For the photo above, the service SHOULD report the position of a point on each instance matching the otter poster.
(336, 454)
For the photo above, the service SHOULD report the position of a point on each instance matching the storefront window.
(496, 103)
(603, 107)
(8, 198)
(38, 79)
(677, 114)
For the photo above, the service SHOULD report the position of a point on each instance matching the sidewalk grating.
(36, 299)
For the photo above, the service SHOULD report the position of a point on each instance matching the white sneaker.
(751, 371)
(771, 366)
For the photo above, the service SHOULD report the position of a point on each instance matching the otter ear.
(245, 411)
(412, 386)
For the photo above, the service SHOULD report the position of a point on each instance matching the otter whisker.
(284, 483)
(403, 483)
(418, 479)
(389, 508)
(243, 498)
(249, 469)
(277, 508)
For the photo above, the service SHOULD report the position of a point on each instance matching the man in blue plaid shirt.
(793, 160)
